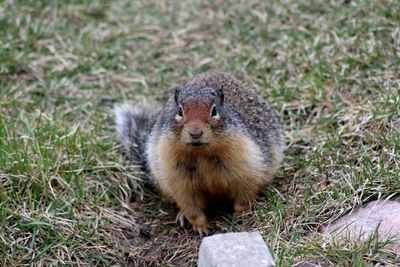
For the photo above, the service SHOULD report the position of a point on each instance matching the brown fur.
(191, 177)
(216, 137)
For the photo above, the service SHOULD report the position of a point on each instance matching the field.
(68, 195)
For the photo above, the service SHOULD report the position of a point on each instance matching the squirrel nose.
(195, 133)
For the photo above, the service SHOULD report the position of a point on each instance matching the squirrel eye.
(214, 111)
(180, 112)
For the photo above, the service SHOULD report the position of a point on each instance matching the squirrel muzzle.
(195, 133)
(196, 125)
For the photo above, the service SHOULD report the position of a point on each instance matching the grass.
(69, 197)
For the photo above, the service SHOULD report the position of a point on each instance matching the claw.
(200, 226)
(202, 230)
(200, 233)
(181, 219)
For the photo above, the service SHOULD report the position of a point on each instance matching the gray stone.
(235, 250)
(381, 217)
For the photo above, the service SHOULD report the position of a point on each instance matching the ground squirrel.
(216, 137)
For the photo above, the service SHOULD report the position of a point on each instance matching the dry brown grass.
(68, 196)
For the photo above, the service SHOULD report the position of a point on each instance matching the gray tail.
(133, 125)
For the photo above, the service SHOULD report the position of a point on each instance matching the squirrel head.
(199, 114)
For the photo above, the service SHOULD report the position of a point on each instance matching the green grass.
(69, 197)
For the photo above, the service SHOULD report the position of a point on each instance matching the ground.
(68, 196)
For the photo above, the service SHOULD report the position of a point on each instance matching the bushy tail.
(133, 125)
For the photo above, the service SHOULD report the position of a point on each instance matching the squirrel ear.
(221, 95)
(177, 91)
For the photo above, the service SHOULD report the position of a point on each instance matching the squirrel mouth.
(197, 144)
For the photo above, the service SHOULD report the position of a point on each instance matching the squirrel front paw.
(197, 220)
(241, 206)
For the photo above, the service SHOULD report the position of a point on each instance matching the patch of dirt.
(161, 241)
